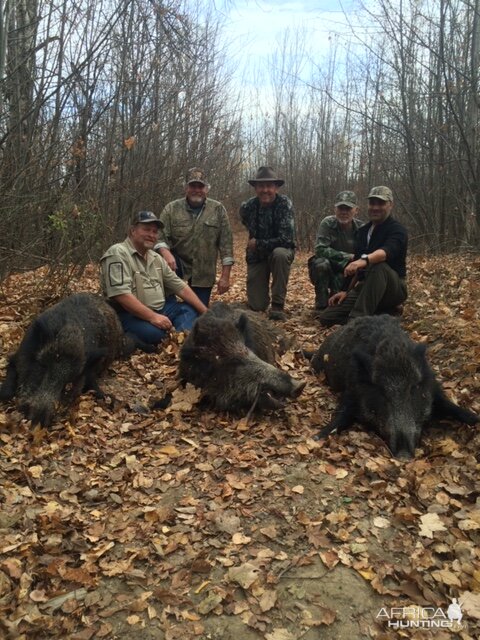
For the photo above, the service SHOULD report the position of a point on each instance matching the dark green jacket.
(271, 226)
(334, 243)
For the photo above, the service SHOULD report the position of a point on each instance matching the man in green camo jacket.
(334, 248)
(195, 231)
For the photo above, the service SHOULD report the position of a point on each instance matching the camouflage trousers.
(326, 277)
(276, 265)
(380, 292)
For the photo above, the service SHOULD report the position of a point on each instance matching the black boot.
(277, 312)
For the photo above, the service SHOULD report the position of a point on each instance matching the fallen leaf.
(209, 603)
(381, 523)
(470, 603)
(446, 577)
(280, 634)
(268, 600)
(239, 538)
(430, 523)
(244, 575)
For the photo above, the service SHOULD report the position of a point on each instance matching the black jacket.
(391, 236)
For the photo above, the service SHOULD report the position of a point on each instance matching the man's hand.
(161, 322)
(252, 244)
(352, 267)
(223, 285)
(337, 298)
(167, 255)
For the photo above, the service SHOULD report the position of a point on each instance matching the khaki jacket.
(197, 241)
(123, 270)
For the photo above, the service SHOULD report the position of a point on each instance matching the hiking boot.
(395, 311)
(277, 313)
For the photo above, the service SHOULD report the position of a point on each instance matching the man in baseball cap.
(194, 235)
(137, 282)
(376, 277)
(145, 217)
(334, 248)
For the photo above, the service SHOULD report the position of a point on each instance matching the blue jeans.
(181, 314)
(203, 293)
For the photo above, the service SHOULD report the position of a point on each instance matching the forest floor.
(125, 522)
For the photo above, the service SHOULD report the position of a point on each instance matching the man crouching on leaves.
(139, 284)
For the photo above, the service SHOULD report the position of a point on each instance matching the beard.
(196, 201)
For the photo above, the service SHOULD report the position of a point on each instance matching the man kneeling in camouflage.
(333, 248)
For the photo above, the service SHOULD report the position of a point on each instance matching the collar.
(193, 209)
(133, 251)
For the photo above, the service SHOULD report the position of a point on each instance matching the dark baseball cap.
(145, 217)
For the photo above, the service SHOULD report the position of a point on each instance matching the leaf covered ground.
(126, 522)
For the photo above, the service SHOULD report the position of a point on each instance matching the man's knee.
(144, 331)
(319, 269)
(186, 317)
(280, 255)
(332, 316)
(380, 270)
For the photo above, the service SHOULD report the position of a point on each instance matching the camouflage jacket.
(272, 226)
(334, 243)
(197, 240)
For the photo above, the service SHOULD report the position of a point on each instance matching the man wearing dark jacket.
(271, 242)
(376, 276)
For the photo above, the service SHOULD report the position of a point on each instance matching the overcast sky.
(255, 27)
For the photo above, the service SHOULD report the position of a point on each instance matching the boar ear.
(364, 365)
(243, 325)
(194, 330)
(419, 353)
(37, 335)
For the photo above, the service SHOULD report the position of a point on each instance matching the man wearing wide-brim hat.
(269, 219)
(376, 277)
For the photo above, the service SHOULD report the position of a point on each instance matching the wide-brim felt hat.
(266, 174)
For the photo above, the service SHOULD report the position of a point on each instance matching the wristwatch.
(364, 256)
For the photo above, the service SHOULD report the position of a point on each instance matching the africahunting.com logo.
(414, 617)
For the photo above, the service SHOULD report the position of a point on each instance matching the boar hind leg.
(342, 420)
(442, 407)
(91, 384)
(93, 368)
(9, 386)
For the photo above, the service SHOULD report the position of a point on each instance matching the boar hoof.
(298, 387)
(325, 432)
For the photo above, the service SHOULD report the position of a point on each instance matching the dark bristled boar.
(229, 355)
(386, 383)
(63, 352)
